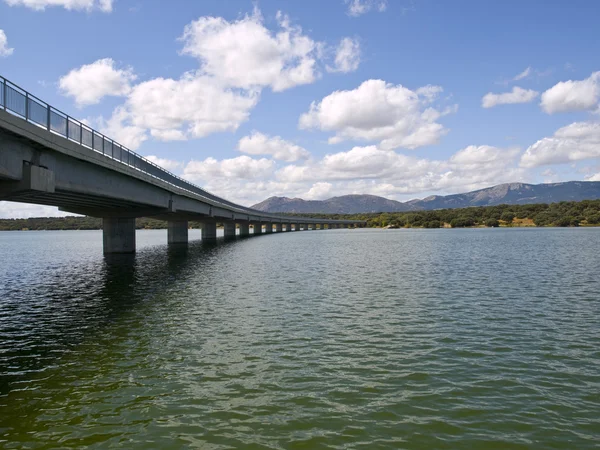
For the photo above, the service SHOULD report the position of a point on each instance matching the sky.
(314, 99)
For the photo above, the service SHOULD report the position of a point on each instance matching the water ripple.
(342, 339)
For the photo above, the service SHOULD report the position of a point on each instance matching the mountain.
(509, 193)
(514, 194)
(346, 204)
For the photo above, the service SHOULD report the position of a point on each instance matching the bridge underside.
(39, 167)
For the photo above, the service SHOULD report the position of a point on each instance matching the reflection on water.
(334, 339)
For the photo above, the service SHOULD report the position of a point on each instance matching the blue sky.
(312, 99)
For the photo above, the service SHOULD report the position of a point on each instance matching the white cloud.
(517, 95)
(361, 170)
(319, 191)
(575, 142)
(359, 7)
(192, 107)
(595, 177)
(347, 56)
(165, 163)
(5, 50)
(242, 168)
(280, 149)
(77, 5)
(246, 54)
(237, 60)
(467, 166)
(525, 74)
(572, 95)
(118, 128)
(91, 82)
(377, 111)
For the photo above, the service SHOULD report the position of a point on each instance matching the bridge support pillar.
(209, 231)
(177, 232)
(257, 228)
(244, 229)
(288, 227)
(118, 234)
(268, 228)
(229, 229)
(278, 227)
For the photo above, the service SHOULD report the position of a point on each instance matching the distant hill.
(346, 204)
(509, 193)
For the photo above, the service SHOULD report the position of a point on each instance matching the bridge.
(49, 158)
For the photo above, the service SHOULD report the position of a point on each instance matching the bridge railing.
(21, 103)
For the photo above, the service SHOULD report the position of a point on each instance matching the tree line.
(563, 214)
(77, 223)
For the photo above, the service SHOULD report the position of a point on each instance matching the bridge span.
(50, 158)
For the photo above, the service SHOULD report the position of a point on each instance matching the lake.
(342, 339)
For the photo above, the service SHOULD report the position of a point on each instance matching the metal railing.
(21, 103)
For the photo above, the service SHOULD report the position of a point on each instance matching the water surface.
(415, 339)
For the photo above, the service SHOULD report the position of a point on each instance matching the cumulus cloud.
(241, 168)
(359, 7)
(471, 165)
(575, 142)
(5, 50)
(246, 54)
(517, 95)
(165, 163)
(193, 106)
(376, 111)
(319, 191)
(347, 56)
(237, 60)
(117, 127)
(91, 82)
(572, 95)
(360, 170)
(76, 5)
(280, 149)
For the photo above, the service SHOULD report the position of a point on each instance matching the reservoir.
(341, 339)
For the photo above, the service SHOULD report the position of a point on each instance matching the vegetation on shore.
(76, 223)
(563, 214)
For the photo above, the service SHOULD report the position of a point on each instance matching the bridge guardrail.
(19, 102)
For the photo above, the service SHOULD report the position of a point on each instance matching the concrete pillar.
(278, 227)
(257, 228)
(229, 229)
(288, 227)
(268, 228)
(244, 229)
(118, 234)
(209, 231)
(177, 232)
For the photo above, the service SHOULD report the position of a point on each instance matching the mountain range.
(509, 193)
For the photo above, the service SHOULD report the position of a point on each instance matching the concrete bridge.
(49, 158)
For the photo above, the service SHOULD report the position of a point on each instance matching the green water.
(413, 339)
